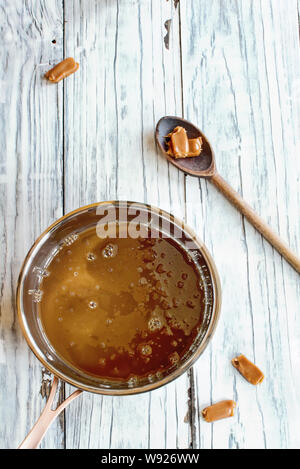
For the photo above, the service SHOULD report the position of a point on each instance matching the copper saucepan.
(64, 231)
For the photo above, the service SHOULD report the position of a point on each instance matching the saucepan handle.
(46, 418)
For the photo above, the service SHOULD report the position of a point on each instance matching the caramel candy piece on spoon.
(205, 166)
(220, 410)
(248, 370)
(62, 70)
(195, 146)
(180, 146)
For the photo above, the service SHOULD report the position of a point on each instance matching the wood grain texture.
(240, 87)
(30, 193)
(232, 67)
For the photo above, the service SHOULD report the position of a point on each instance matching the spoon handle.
(40, 428)
(256, 221)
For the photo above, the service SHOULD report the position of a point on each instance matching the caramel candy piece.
(179, 143)
(182, 147)
(220, 410)
(247, 369)
(195, 146)
(62, 70)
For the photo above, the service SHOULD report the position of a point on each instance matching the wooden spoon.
(205, 166)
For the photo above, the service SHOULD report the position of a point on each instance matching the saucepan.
(63, 232)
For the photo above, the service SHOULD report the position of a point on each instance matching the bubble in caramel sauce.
(110, 251)
(160, 269)
(41, 272)
(154, 324)
(37, 295)
(145, 350)
(91, 256)
(92, 304)
(174, 358)
(133, 381)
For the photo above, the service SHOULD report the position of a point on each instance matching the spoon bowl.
(203, 166)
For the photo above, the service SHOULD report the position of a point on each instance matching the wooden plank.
(127, 80)
(241, 86)
(30, 193)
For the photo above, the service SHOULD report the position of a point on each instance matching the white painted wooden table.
(232, 67)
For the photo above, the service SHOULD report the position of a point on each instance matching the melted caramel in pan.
(122, 308)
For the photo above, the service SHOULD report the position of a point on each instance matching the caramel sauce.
(122, 308)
